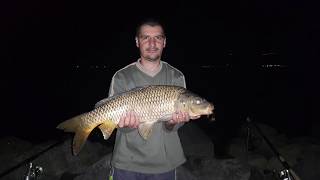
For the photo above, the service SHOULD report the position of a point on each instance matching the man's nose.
(152, 42)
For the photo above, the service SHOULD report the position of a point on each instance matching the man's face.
(151, 42)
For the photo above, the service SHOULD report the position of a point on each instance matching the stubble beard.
(152, 58)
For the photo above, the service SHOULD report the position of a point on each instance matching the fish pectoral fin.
(107, 128)
(145, 129)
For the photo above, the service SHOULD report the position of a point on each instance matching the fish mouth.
(208, 111)
(211, 115)
(194, 117)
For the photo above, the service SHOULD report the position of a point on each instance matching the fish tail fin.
(70, 125)
(82, 132)
(79, 140)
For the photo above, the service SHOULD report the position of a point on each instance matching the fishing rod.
(33, 171)
(285, 174)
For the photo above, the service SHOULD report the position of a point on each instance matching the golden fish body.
(151, 104)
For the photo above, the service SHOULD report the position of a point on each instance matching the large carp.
(151, 104)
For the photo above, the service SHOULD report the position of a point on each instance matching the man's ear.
(164, 42)
(137, 42)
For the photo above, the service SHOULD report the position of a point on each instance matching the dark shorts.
(120, 174)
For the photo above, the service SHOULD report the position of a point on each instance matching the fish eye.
(198, 101)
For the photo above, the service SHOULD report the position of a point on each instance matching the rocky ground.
(253, 161)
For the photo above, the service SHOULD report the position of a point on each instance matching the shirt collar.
(147, 71)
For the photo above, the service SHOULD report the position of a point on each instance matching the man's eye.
(159, 38)
(144, 37)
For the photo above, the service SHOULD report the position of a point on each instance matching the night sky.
(256, 59)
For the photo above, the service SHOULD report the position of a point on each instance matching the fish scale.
(151, 104)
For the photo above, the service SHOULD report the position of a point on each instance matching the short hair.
(150, 22)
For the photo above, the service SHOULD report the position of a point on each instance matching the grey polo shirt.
(162, 152)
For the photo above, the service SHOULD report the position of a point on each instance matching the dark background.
(250, 58)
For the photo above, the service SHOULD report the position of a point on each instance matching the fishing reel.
(284, 175)
(33, 172)
(288, 174)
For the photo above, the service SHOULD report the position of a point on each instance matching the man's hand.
(179, 117)
(129, 120)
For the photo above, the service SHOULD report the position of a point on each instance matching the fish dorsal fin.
(145, 129)
(107, 128)
(105, 100)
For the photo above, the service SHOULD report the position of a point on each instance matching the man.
(156, 158)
